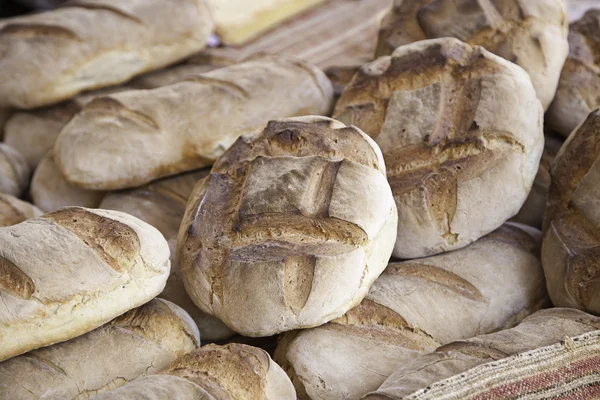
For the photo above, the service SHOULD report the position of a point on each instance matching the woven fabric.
(568, 370)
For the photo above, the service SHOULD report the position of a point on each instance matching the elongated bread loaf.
(290, 229)
(141, 342)
(132, 138)
(50, 191)
(230, 372)
(70, 271)
(162, 205)
(571, 251)
(577, 93)
(13, 210)
(239, 21)
(452, 122)
(415, 306)
(14, 171)
(421, 378)
(86, 44)
(530, 33)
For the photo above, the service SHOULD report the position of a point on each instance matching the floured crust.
(452, 121)
(115, 263)
(530, 33)
(544, 328)
(414, 307)
(14, 171)
(142, 341)
(572, 222)
(301, 210)
(14, 210)
(87, 44)
(175, 129)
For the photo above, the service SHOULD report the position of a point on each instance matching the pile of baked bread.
(336, 199)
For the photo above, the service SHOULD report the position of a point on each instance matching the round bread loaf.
(14, 211)
(162, 205)
(230, 372)
(530, 33)
(415, 306)
(70, 271)
(577, 93)
(140, 342)
(290, 229)
(571, 250)
(461, 133)
(14, 171)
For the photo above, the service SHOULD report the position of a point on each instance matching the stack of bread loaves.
(336, 200)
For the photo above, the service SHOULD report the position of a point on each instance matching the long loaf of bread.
(87, 44)
(131, 138)
(68, 272)
(140, 342)
(415, 306)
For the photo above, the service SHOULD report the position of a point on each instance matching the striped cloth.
(565, 371)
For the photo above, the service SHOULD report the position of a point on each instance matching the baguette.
(426, 376)
(162, 205)
(290, 229)
(231, 372)
(141, 342)
(70, 271)
(88, 44)
(14, 171)
(14, 211)
(530, 33)
(452, 121)
(570, 252)
(416, 306)
(128, 139)
(50, 191)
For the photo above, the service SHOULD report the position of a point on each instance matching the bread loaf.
(231, 372)
(171, 75)
(141, 342)
(572, 221)
(239, 21)
(577, 93)
(423, 377)
(532, 212)
(14, 171)
(87, 44)
(128, 139)
(415, 306)
(452, 122)
(162, 205)
(70, 271)
(5, 114)
(13, 210)
(530, 33)
(290, 229)
(50, 191)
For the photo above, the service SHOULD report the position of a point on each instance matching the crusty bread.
(452, 122)
(544, 328)
(171, 75)
(87, 44)
(14, 171)
(532, 212)
(131, 138)
(290, 229)
(13, 210)
(142, 341)
(70, 271)
(577, 93)
(530, 33)
(50, 191)
(572, 221)
(230, 372)
(415, 306)
(239, 21)
(162, 205)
